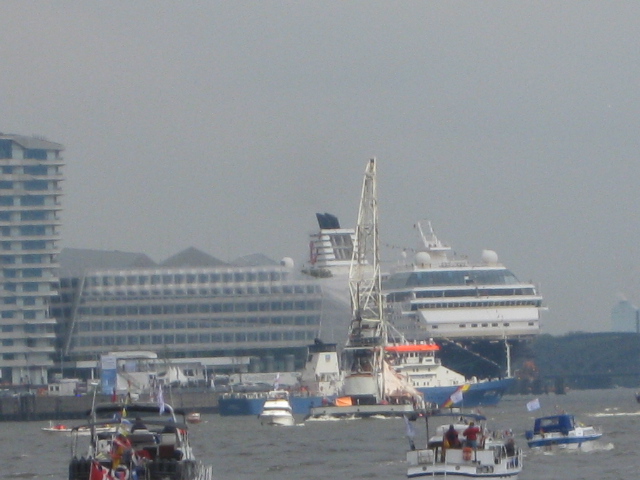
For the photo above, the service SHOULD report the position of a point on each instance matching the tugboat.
(145, 441)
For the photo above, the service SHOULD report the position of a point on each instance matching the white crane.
(364, 349)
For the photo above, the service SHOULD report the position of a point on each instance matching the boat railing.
(421, 457)
(247, 395)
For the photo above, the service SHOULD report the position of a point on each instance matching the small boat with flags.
(143, 441)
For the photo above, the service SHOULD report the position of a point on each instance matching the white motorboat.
(493, 457)
(194, 417)
(144, 441)
(561, 431)
(277, 409)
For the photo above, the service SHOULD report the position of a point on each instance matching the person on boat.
(138, 425)
(170, 427)
(451, 438)
(510, 447)
(471, 435)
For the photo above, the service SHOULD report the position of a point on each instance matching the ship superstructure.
(439, 297)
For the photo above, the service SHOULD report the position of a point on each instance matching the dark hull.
(252, 404)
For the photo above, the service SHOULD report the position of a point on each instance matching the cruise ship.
(436, 296)
(478, 312)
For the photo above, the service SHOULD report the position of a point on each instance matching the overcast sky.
(226, 126)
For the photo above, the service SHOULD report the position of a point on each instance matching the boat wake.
(587, 447)
(327, 418)
(616, 414)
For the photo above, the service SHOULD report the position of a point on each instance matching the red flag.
(98, 472)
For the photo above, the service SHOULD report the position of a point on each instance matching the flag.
(98, 472)
(533, 405)
(160, 399)
(276, 382)
(410, 430)
(456, 397)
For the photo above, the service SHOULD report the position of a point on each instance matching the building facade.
(263, 313)
(30, 193)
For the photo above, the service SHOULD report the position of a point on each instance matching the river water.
(239, 448)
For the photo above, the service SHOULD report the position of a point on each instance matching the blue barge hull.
(477, 395)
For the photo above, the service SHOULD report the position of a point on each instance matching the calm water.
(240, 449)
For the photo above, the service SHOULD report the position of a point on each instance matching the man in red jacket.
(471, 434)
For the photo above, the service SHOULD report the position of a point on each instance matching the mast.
(364, 349)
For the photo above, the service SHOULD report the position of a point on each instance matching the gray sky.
(227, 125)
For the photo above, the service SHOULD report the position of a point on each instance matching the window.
(32, 272)
(30, 287)
(35, 153)
(35, 185)
(35, 170)
(32, 259)
(34, 245)
(32, 200)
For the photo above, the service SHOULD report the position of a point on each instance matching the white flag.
(410, 430)
(276, 382)
(533, 405)
(456, 397)
(160, 399)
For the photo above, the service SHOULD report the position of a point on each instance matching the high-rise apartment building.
(30, 192)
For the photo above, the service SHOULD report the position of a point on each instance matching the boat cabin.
(556, 423)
